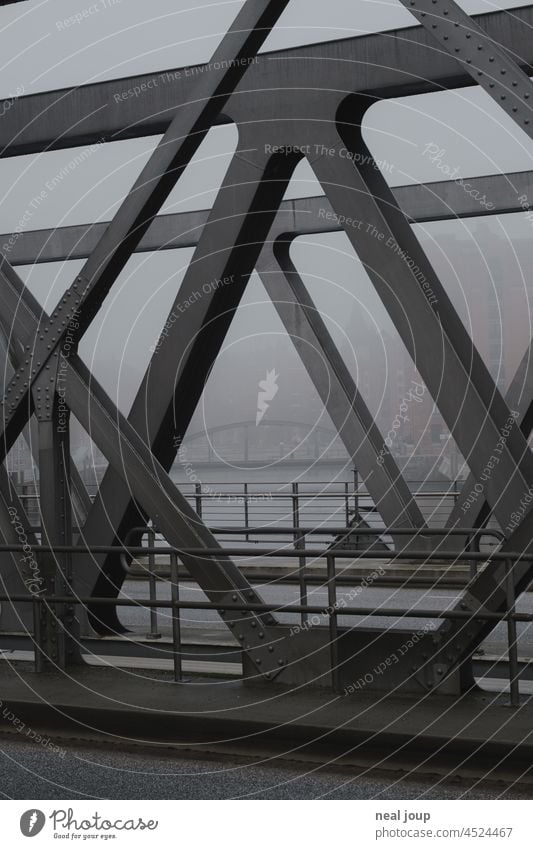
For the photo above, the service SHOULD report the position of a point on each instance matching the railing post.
(176, 623)
(471, 548)
(37, 634)
(511, 636)
(333, 624)
(299, 542)
(198, 499)
(246, 517)
(356, 494)
(347, 503)
(152, 581)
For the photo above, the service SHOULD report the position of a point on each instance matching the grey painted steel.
(286, 103)
(502, 78)
(387, 64)
(146, 480)
(432, 332)
(424, 203)
(470, 506)
(19, 573)
(157, 179)
(347, 409)
(480, 55)
(85, 296)
(223, 262)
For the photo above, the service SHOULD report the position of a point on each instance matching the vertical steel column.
(152, 581)
(332, 617)
(299, 543)
(58, 646)
(176, 622)
(514, 674)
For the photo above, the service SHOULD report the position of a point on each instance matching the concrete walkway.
(133, 705)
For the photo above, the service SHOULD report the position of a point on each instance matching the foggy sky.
(127, 37)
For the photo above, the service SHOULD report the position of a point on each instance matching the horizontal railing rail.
(331, 612)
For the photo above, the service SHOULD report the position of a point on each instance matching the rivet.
(280, 662)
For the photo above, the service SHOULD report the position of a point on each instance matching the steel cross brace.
(446, 358)
(224, 259)
(149, 485)
(193, 340)
(423, 315)
(471, 507)
(157, 179)
(334, 384)
(83, 299)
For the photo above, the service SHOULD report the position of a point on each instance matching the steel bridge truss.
(284, 105)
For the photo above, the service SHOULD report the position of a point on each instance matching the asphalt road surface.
(37, 772)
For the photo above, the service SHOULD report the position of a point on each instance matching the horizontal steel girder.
(387, 64)
(303, 216)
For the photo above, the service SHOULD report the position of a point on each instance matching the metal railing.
(300, 536)
(331, 613)
(319, 502)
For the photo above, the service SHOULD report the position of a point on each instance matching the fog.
(484, 263)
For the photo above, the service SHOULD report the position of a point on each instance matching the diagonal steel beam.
(147, 482)
(490, 66)
(420, 308)
(159, 176)
(334, 384)
(471, 508)
(198, 322)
